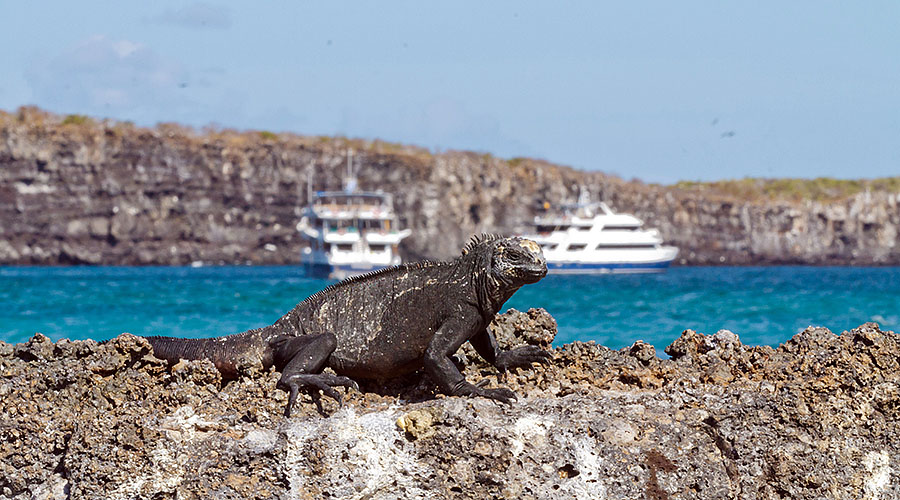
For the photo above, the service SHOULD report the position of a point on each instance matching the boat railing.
(354, 207)
(363, 232)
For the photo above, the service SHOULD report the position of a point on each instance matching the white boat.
(350, 232)
(589, 238)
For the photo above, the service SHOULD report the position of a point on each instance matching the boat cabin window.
(371, 224)
(549, 228)
(344, 247)
(620, 228)
(549, 246)
(377, 248)
(625, 246)
(576, 246)
(584, 228)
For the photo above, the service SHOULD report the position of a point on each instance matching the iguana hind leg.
(303, 359)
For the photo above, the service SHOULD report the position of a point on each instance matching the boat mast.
(584, 196)
(309, 179)
(350, 179)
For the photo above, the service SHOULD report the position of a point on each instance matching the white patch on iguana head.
(530, 246)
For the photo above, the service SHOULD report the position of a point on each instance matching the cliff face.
(85, 192)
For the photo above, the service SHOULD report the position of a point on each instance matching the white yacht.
(350, 232)
(586, 238)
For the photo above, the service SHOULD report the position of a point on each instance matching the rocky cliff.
(818, 417)
(78, 191)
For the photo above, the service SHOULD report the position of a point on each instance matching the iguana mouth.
(536, 274)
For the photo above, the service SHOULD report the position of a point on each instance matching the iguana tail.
(224, 352)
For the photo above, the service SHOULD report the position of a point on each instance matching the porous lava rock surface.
(816, 417)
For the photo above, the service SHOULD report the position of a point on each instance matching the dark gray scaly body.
(387, 323)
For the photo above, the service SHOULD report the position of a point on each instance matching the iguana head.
(511, 261)
(518, 261)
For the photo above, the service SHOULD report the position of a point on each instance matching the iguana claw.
(324, 382)
(500, 394)
(522, 356)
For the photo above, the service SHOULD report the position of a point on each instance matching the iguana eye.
(517, 257)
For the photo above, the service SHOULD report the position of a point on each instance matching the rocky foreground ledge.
(815, 418)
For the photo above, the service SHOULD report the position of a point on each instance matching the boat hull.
(607, 267)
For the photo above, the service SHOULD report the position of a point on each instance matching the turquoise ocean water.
(763, 305)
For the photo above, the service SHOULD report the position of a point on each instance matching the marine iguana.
(387, 323)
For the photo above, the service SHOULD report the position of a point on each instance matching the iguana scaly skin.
(387, 323)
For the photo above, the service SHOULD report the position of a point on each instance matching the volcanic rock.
(816, 417)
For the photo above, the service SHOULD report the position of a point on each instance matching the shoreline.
(816, 417)
(765, 306)
(83, 265)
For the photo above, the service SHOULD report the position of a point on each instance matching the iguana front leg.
(486, 345)
(303, 359)
(440, 367)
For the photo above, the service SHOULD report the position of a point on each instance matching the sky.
(656, 90)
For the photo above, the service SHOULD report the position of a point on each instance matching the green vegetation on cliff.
(822, 189)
